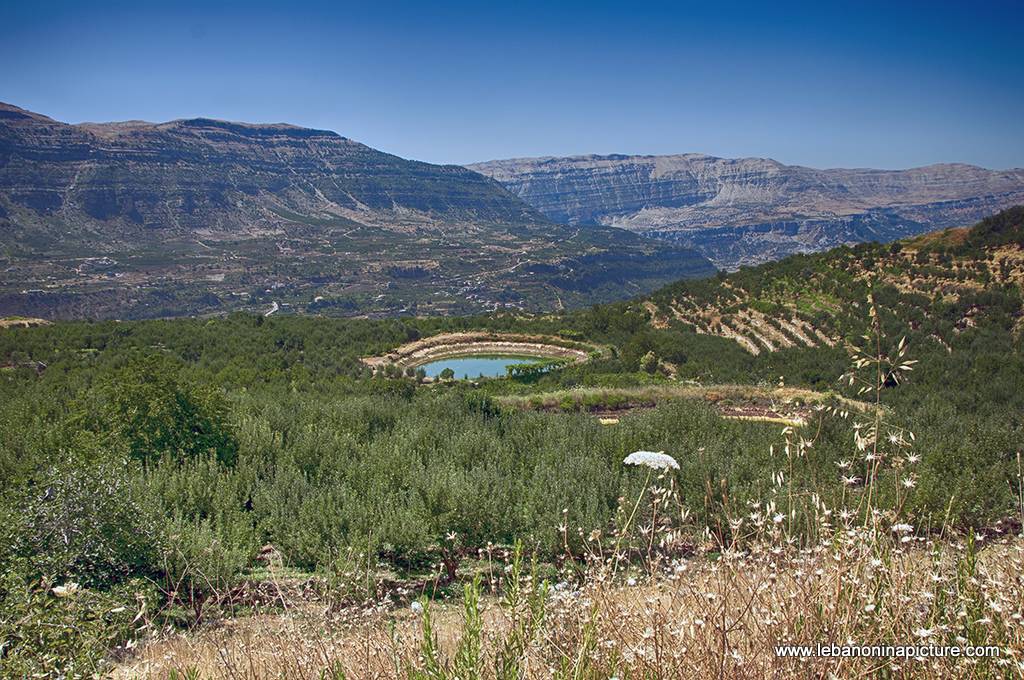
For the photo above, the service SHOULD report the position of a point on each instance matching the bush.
(83, 522)
(64, 631)
(201, 562)
(649, 363)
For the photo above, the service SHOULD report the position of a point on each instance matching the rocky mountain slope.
(751, 210)
(196, 216)
(216, 178)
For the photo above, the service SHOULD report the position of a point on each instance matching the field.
(245, 496)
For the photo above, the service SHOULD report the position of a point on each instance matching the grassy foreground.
(662, 595)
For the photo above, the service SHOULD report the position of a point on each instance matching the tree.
(85, 523)
(649, 363)
(152, 411)
(447, 374)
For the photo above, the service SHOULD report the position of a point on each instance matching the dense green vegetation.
(159, 456)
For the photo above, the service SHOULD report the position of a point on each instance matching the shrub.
(64, 631)
(84, 523)
(201, 562)
(649, 363)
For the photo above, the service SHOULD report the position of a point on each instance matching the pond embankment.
(467, 344)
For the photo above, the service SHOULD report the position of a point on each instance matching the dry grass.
(783, 405)
(22, 322)
(694, 618)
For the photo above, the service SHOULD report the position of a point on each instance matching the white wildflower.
(65, 590)
(902, 528)
(416, 607)
(658, 460)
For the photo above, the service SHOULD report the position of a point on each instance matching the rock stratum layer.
(203, 216)
(751, 210)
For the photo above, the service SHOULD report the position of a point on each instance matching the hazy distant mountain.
(195, 216)
(749, 210)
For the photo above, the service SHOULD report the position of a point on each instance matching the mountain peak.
(12, 112)
(114, 128)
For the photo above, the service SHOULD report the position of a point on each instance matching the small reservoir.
(489, 366)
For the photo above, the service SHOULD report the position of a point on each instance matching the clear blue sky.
(826, 84)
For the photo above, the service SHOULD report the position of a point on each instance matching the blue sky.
(826, 84)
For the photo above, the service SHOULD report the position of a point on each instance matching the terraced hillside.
(811, 300)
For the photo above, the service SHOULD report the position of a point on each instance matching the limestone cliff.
(749, 210)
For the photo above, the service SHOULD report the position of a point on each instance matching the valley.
(295, 384)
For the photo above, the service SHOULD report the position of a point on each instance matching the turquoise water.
(474, 367)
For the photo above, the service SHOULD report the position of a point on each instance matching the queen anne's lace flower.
(658, 460)
(65, 590)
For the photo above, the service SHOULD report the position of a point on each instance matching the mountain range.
(204, 216)
(196, 216)
(751, 210)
